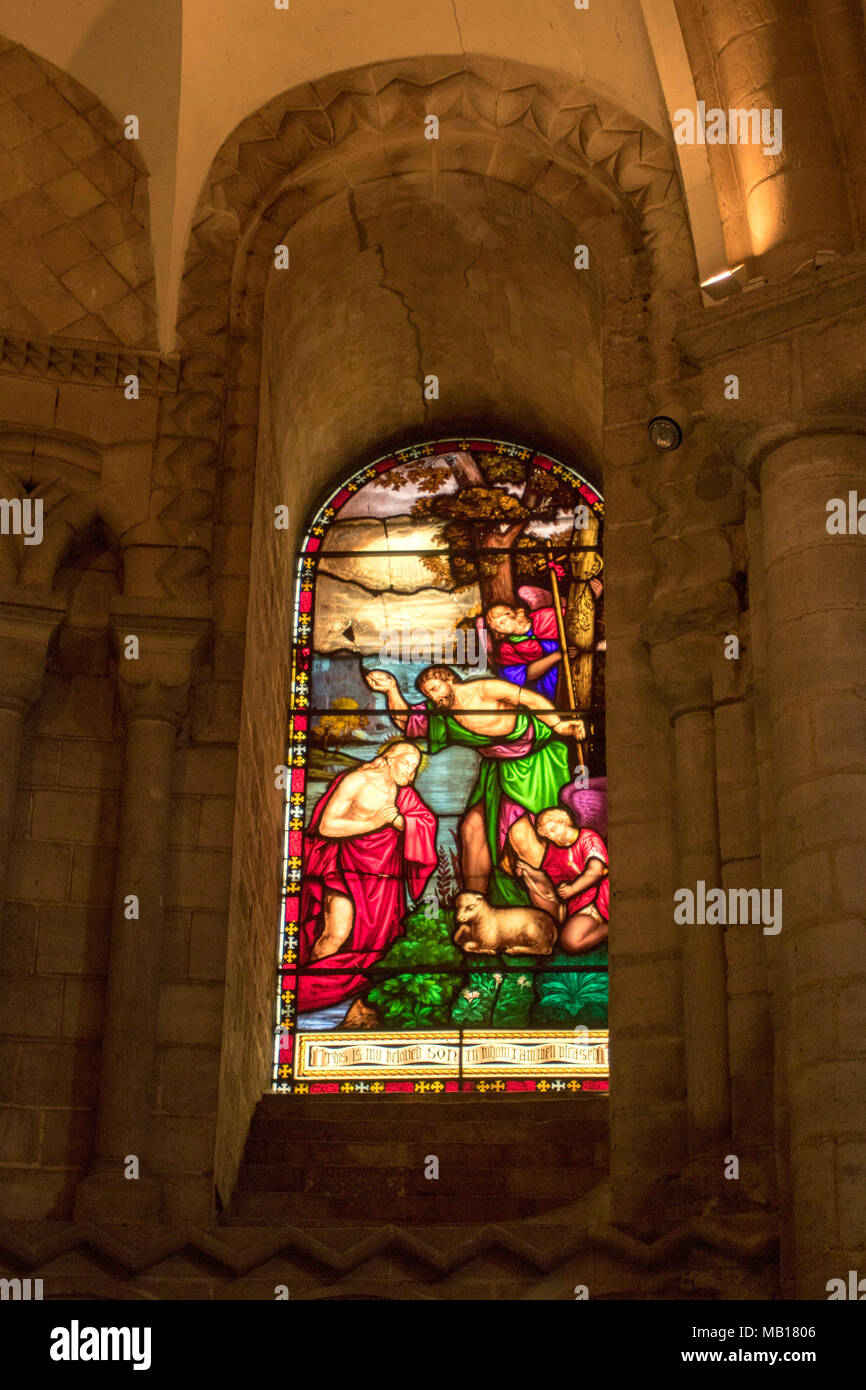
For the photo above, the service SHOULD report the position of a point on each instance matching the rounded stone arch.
(531, 136)
(77, 521)
(597, 166)
(64, 472)
(75, 204)
(507, 121)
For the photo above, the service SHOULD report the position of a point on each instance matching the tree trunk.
(467, 471)
(498, 587)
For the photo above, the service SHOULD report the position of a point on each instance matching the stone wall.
(63, 855)
(57, 919)
(400, 280)
(75, 255)
(152, 1034)
(516, 138)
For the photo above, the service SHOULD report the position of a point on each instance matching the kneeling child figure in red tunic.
(565, 869)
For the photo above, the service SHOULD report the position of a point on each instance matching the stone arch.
(65, 471)
(507, 121)
(592, 162)
(75, 208)
(597, 165)
(562, 149)
(77, 520)
(456, 275)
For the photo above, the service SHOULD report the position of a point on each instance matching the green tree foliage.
(481, 525)
(334, 729)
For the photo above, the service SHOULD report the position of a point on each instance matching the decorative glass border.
(497, 1086)
(296, 762)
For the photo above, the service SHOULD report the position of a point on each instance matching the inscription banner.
(445, 1054)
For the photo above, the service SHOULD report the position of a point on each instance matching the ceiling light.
(664, 432)
(726, 283)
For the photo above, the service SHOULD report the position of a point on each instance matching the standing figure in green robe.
(523, 760)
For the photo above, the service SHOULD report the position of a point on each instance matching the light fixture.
(726, 283)
(664, 432)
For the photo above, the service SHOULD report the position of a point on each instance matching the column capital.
(684, 633)
(753, 453)
(740, 323)
(776, 341)
(29, 618)
(172, 638)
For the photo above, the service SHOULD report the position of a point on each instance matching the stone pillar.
(816, 660)
(704, 972)
(687, 688)
(750, 1031)
(28, 621)
(764, 58)
(685, 635)
(154, 690)
(840, 38)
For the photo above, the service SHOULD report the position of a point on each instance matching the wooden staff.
(560, 628)
(586, 565)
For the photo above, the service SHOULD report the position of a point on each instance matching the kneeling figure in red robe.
(371, 840)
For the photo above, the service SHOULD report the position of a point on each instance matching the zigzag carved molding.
(575, 124)
(88, 364)
(568, 135)
(239, 1251)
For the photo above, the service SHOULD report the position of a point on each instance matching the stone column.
(816, 663)
(704, 966)
(839, 30)
(28, 621)
(748, 57)
(704, 972)
(154, 689)
(685, 635)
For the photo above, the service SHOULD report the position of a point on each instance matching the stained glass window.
(446, 898)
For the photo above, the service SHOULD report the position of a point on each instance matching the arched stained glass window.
(445, 914)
